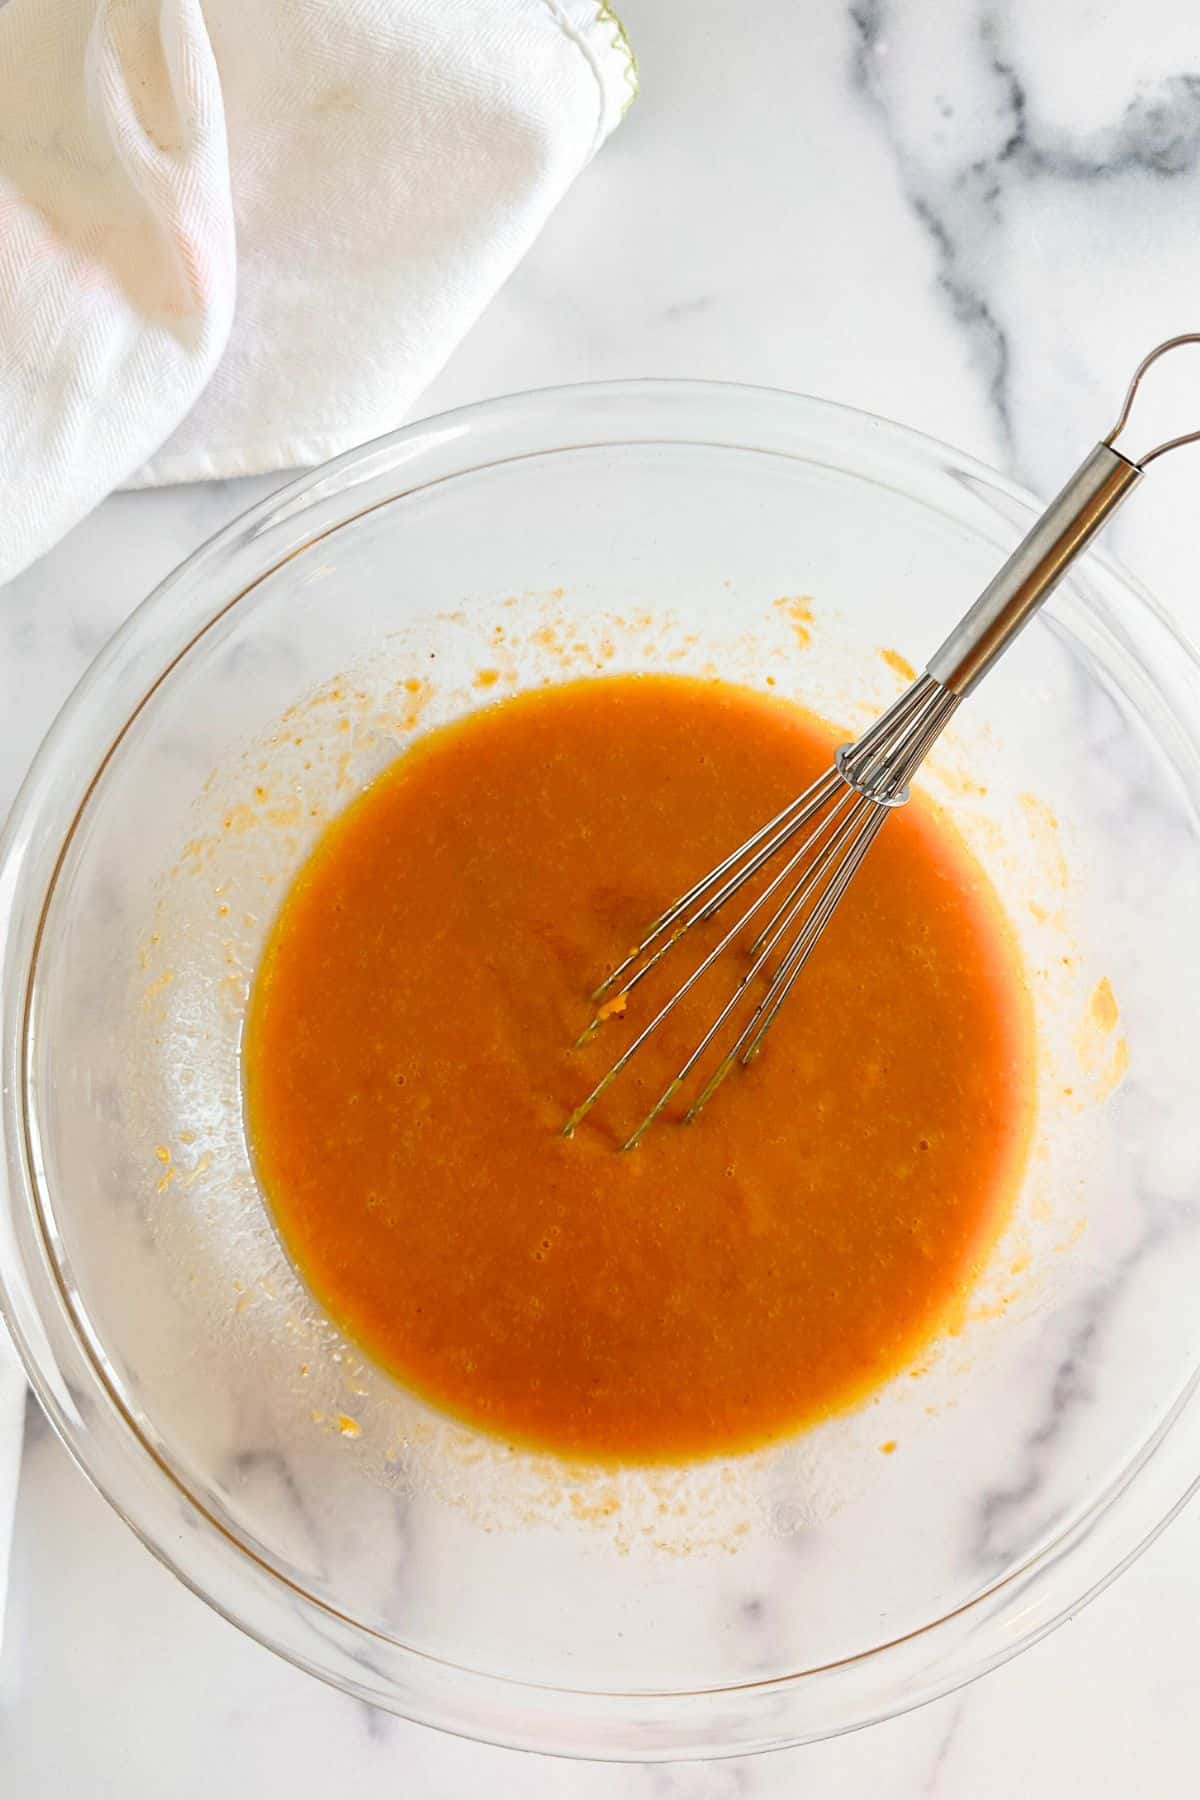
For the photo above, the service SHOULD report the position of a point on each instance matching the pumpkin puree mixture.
(409, 1066)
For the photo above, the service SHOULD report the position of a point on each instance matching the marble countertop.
(970, 215)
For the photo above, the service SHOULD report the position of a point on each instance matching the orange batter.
(409, 1065)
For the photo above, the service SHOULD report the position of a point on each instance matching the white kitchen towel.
(239, 235)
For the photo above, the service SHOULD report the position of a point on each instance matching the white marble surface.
(969, 216)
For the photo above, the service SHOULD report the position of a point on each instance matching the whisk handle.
(1034, 569)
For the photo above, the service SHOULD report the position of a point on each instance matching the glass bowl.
(724, 1607)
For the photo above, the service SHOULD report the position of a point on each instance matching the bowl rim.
(67, 1371)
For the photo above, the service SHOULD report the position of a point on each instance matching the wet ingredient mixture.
(409, 1065)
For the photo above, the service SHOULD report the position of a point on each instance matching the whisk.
(810, 852)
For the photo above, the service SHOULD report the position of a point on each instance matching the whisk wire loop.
(843, 809)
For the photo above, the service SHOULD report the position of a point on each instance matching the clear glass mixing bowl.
(730, 1606)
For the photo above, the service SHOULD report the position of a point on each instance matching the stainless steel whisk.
(845, 808)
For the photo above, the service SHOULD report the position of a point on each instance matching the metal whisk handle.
(1034, 569)
(1040, 561)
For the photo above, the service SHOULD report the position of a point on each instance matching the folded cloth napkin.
(238, 237)
(243, 236)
